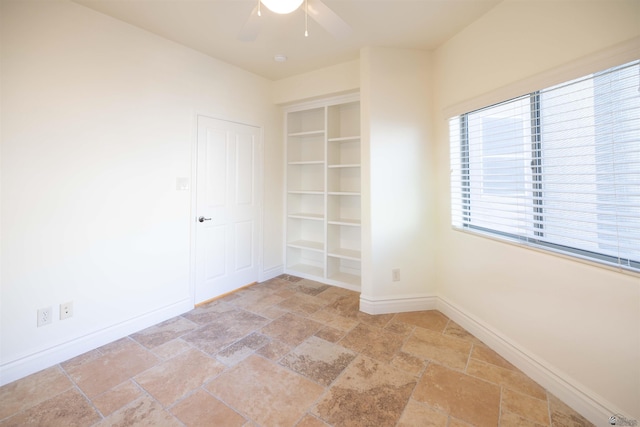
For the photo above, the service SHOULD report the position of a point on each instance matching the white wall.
(397, 214)
(578, 320)
(98, 121)
(322, 83)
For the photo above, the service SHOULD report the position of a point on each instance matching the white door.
(227, 207)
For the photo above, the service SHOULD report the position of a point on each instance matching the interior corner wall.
(576, 319)
(397, 213)
(98, 121)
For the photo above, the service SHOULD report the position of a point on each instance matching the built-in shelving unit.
(323, 191)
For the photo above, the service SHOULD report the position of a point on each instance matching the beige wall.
(397, 217)
(98, 121)
(579, 320)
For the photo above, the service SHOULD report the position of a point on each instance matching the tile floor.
(287, 352)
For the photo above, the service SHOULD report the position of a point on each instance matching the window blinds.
(558, 168)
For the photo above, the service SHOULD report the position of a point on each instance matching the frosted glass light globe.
(282, 6)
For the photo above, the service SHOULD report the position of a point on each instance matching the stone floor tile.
(302, 304)
(274, 350)
(119, 396)
(409, 363)
(368, 393)
(457, 331)
(267, 393)
(416, 414)
(171, 349)
(311, 421)
(373, 342)
(164, 332)
(291, 329)
(330, 334)
(482, 352)
(462, 396)
(29, 391)
(509, 419)
(514, 380)
(142, 412)
(242, 349)
(174, 378)
(319, 360)
(203, 410)
(564, 416)
(528, 407)
(120, 361)
(431, 319)
(224, 329)
(69, 408)
(434, 346)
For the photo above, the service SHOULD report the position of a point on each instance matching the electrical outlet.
(66, 310)
(45, 316)
(395, 274)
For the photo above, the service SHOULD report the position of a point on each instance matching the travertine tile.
(174, 378)
(328, 317)
(224, 329)
(528, 407)
(241, 349)
(267, 393)
(163, 332)
(119, 396)
(416, 414)
(485, 354)
(509, 378)
(318, 360)
(368, 393)
(121, 360)
(563, 416)
(203, 410)
(291, 329)
(400, 328)
(29, 391)
(66, 409)
(302, 304)
(373, 342)
(142, 412)
(377, 320)
(509, 419)
(457, 331)
(209, 312)
(434, 346)
(310, 287)
(431, 319)
(171, 349)
(310, 421)
(274, 350)
(464, 397)
(330, 334)
(346, 305)
(408, 363)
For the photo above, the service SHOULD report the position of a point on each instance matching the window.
(557, 169)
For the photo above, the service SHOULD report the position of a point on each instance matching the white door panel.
(227, 249)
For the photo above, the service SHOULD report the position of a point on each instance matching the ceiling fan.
(316, 9)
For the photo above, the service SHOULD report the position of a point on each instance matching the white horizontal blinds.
(558, 168)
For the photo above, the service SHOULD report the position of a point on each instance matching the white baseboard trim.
(580, 398)
(35, 362)
(272, 272)
(398, 305)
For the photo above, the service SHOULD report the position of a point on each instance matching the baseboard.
(272, 272)
(580, 398)
(398, 305)
(35, 362)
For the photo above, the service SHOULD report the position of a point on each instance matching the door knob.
(203, 219)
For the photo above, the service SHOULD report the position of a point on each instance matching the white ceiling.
(212, 27)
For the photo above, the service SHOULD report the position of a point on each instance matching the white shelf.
(345, 139)
(307, 133)
(307, 244)
(350, 279)
(306, 215)
(343, 166)
(343, 193)
(345, 254)
(345, 221)
(305, 269)
(323, 179)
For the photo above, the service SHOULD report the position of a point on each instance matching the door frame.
(193, 212)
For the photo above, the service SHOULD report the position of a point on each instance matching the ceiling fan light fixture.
(282, 6)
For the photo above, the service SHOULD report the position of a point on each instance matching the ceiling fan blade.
(328, 19)
(251, 28)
